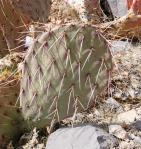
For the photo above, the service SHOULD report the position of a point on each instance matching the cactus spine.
(37, 10)
(63, 72)
(11, 24)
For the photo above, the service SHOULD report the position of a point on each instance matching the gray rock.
(137, 125)
(138, 110)
(118, 7)
(136, 139)
(120, 45)
(113, 104)
(81, 137)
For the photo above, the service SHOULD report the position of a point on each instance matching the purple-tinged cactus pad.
(63, 72)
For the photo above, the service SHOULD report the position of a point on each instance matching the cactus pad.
(63, 72)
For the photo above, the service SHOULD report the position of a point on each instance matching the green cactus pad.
(63, 72)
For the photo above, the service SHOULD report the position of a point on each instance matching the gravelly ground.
(124, 95)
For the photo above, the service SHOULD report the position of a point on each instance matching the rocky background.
(114, 121)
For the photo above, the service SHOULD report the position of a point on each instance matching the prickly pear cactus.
(11, 24)
(37, 10)
(63, 72)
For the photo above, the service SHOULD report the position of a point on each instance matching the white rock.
(127, 117)
(127, 145)
(118, 131)
(28, 41)
(75, 3)
(81, 137)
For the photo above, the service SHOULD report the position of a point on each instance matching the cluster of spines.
(62, 72)
(15, 17)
